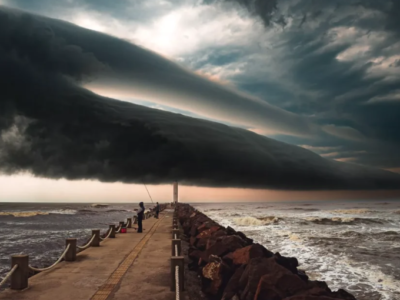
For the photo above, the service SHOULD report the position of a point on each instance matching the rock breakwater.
(232, 267)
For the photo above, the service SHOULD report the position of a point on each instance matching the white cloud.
(344, 132)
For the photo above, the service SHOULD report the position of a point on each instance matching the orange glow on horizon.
(26, 188)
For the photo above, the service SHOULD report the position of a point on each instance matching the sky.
(324, 76)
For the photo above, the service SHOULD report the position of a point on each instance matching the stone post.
(96, 240)
(112, 228)
(71, 253)
(19, 279)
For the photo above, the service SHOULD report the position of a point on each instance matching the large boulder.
(255, 269)
(216, 275)
(310, 297)
(232, 288)
(207, 232)
(224, 245)
(278, 284)
(244, 255)
(342, 294)
(290, 263)
(264, 278)
(206, 225)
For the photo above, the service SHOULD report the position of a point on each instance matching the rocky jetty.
(232, 267)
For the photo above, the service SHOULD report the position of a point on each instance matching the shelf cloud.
(53, 127)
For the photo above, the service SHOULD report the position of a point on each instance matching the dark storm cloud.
(338, 63)
(53, 128)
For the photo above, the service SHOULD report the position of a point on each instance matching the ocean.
(40, 229)
(353, 245)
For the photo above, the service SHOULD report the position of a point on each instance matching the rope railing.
(88, 244)
(177, 295)
(53, 265)
(177, 260)
(107, 236)
(21, 269)
(5, 279)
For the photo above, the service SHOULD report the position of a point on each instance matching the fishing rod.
(148, 192)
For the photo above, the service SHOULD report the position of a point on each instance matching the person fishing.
(140, 213)
(157, 210)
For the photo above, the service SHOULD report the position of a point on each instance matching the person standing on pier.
(140, 214)
(157, 210)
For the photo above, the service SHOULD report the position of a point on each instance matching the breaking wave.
(27, 214)
(63, 212)
(23, 214)
(347, 221)
(305, 209)
(389, 236)
(358, 211)
(250, 221)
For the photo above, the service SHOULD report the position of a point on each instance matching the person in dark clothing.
(140, 213)
(157, 209)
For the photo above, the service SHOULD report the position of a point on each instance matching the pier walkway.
(130, 266)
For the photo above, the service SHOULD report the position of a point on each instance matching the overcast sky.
(324, 75)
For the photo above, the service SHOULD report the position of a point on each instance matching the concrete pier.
(130, 266)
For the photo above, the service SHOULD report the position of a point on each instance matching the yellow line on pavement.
(106, 289)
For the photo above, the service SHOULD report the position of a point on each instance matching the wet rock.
(232, 288)
(310, 297)
(243, 255)
(219, 233)
(192, 241)
(208, 232)
(278, 284)
(224, 245)
(206, 225)
(302, 274)
(230, 231)
(232, 267)
(244, 237)
(216, 273)
(255, 269)
(289, 263)
(228, 258)
(342, 294)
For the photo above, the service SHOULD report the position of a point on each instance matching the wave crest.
(27, 214)
(251, 221)
(357, 211)
(339, 220)
(23, 214)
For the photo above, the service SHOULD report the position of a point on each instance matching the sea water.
(354, 245)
